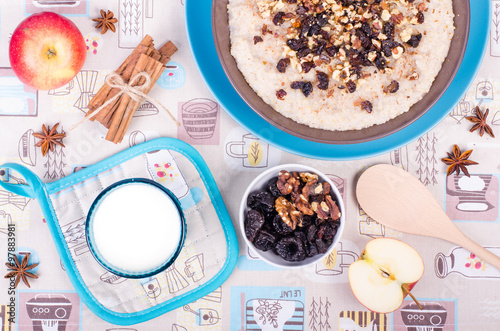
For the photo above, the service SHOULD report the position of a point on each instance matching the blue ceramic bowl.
(122, 272)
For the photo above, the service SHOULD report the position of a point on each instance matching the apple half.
(384, 274)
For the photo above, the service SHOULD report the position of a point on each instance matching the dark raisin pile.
(314, 230)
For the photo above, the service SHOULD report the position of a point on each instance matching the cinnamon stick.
(104, 92)
(168, 49)
(166, 52)
(124, 100)
(154, 71)
(118, 114)
(130, 110)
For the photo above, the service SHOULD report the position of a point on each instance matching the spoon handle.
(478, 250)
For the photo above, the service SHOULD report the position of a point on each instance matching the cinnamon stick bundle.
(117, 115)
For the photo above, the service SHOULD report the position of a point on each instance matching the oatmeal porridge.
(340, 64)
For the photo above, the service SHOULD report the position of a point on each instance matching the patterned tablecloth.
(458, 290)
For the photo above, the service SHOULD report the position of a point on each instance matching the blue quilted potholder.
(210, 249)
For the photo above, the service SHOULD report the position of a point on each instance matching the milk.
(136, 228)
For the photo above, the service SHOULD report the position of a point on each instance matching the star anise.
(458, 161)
(20, 270)
(49, 139)
(106, 21)
(480, 122)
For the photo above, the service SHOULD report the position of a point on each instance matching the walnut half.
(287, 212)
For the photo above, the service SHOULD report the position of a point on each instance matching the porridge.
(340, 64)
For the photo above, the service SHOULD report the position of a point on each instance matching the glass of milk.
(135, 228)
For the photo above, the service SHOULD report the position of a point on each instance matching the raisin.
(269, 216)
(329, 233)
(304, 51)
(365, 40)
(265, 240)
(324, 34)
(380, 62)
(314, 30)
(311, 233)
(322, 19)
(278, 18)
(319, 221)
(280, 94)
(312, 250)
(266, 201)
(290, 249)
(252, 200)
(272, 187)
(414, 40)
(294, 44)
(281, 227)
(321, 231)
(291, 1)
(301, 235)
(351, 86)
(308, 21)
(321, 245)
(307, 66)
(307, 89)
(393, 87)
(257, 39)
(304, 31)
(297, 85)
(355, 71)
(253, 223)
(323, 80)
(282, 64)
(420, 17)
(307, 220)
(388, 30)
(261, 200)
(319, 47)
(367, 106)
(332, 50)
(387, 46)
(366, 28)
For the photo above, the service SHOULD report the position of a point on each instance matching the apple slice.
(384, 274)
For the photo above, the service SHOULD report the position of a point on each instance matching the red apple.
(47, 50)
(385, 273)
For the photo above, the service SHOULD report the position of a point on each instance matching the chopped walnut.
(307, 176)
(284, 186)
(333, 208)
(302, 204)
(322, 210)
(310, 188)
(287, 212)
(413, 76)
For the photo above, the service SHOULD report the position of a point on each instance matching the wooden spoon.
(396, 199)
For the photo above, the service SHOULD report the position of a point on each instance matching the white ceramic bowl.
(259, 183)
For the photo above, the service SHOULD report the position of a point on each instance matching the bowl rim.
(122, 272)
(345, 137)
(310, 260)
